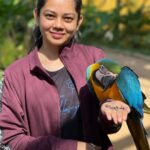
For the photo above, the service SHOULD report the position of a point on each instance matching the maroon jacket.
(30, 115)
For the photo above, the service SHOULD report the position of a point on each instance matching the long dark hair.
(37, 37)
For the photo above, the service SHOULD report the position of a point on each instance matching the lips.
(57, 35)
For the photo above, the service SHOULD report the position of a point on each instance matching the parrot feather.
(112, 65)
(130, 88)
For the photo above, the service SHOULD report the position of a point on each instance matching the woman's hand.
(87, 146)
(115, 110)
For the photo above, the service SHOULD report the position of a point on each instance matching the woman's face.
(58, 21)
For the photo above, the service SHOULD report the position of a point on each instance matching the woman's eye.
(49, 16)
(68, 19)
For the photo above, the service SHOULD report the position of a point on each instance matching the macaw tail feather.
(146, 109)
(137, 131)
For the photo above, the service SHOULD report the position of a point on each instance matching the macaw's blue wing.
(130, 88)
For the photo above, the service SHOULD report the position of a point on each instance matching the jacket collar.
(35, 63)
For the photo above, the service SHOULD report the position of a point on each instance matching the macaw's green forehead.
(110, 64)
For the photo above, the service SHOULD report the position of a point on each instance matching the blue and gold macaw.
(108, 80)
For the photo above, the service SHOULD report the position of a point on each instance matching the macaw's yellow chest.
(111, 92)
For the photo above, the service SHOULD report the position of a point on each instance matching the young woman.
(46, 104)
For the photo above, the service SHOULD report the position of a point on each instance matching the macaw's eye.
(103, 69)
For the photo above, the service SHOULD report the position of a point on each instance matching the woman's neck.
(51, 52)
(49, 58)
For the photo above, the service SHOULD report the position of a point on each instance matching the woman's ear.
(35, 13)
(79, 22)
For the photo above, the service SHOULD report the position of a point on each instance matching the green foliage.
(9, 52)
(15, 29)
(112, 28)
(1, 74)
(102, 28)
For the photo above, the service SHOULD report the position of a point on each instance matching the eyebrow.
(69, 13)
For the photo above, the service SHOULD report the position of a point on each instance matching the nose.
(58, 24)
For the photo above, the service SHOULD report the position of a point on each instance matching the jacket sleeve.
(14, 135)
(97, 54)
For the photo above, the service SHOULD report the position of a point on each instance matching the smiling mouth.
(57, 35)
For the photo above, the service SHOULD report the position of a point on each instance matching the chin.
(60, 42)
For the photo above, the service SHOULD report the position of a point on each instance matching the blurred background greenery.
(119, 24)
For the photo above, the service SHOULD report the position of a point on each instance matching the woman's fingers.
(115, 110)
